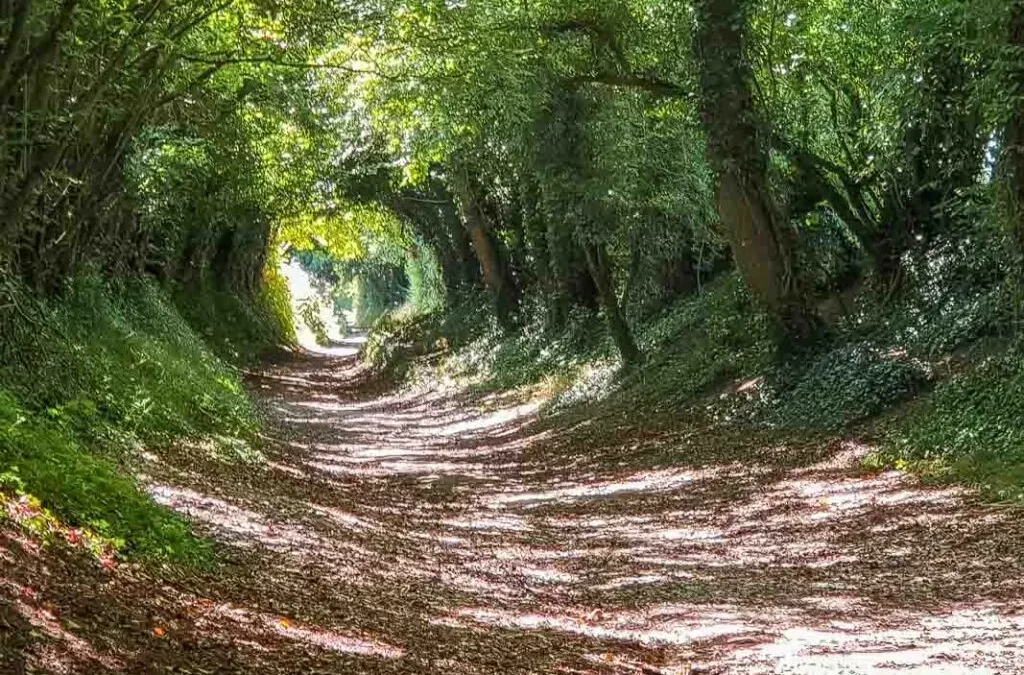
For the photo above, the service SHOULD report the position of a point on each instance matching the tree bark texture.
(763, 246)
(600, 270)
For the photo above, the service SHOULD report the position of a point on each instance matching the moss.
(48, 461)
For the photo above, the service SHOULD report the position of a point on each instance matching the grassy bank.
(90, 377)
(934, 381)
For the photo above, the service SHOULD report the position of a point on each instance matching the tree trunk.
(763, 247)
(492, 267)
(467, 272)
(18, 18)
(1015, 132)
(600, 270)
(1013, 157)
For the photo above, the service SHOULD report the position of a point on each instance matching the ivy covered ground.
(432, 533)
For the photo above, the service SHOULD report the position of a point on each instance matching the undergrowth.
(495, 361)
(478, 354)
(846, 384)
(47, 461)
(239, 330)
(704, 341)
(90, 377)
(713, 351)
(970, 428)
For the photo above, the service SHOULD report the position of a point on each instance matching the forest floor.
(401, 533)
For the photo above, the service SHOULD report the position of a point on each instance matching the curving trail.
(425, 534)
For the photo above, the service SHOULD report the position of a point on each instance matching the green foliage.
(426, 284)
(273, 305)
(135, 139)
(46, 459)
(476, 351)
(369, 285)
(842, 385)
(332, 292)
(91, 375)
(551, 154)
(123, 353)
(497, 361)
(380, 288)
(309, 311)
(970, 426)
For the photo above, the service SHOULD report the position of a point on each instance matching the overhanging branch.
(272, 61)
(651, 85)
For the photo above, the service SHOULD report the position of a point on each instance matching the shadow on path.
(421, 534)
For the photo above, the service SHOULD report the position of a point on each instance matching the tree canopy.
(610, 155)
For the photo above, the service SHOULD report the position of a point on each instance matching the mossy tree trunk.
(1015, 132)
(763, 246)
(1013, 158)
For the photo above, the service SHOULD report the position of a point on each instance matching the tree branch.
(203, 16)
(269, 60)
(653, 85)
(188, 88)
(420, 200)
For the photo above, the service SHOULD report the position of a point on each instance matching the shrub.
(535, 351)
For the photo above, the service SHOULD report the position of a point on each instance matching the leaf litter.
(422, 533)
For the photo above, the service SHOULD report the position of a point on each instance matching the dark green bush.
(843, 385)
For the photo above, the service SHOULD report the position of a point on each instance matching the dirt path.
(425, 535)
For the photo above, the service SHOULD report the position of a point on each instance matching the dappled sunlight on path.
(425, 534)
